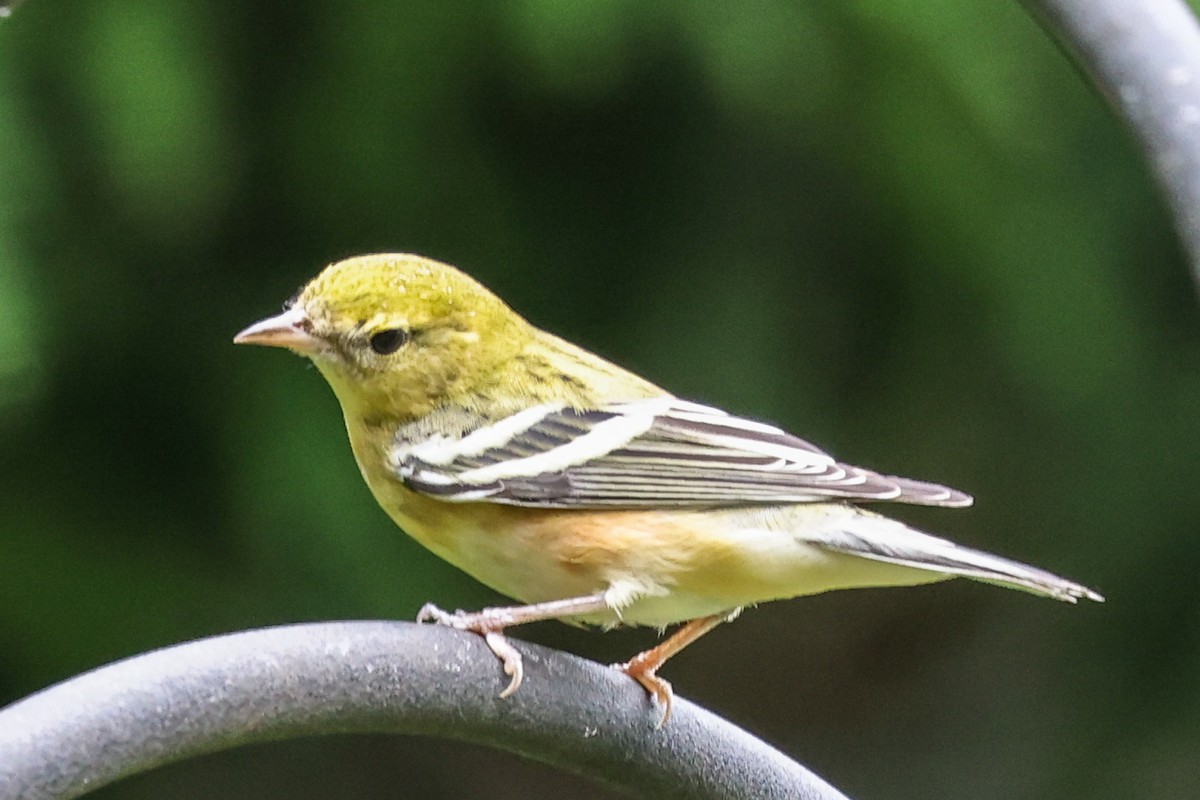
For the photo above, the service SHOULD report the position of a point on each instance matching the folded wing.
(661, 452)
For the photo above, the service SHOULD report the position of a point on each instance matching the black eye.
(387, 342)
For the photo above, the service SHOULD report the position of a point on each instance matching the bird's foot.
(643, 668)
(490, 624)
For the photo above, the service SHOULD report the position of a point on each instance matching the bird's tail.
(881, 539)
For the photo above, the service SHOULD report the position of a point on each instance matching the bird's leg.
(643, 667)
(491, 622)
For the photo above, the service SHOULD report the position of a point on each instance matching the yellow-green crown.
(400, 289)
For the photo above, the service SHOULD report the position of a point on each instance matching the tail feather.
(882, 539)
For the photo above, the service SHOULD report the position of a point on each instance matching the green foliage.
(906, 231)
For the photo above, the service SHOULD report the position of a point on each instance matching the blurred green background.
(905, 230)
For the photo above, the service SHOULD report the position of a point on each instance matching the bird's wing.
(660, 452)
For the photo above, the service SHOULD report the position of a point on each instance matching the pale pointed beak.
(291, 329)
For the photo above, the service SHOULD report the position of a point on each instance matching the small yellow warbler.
(581, 489)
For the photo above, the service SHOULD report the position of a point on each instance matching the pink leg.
(491, 622)
(643, 667)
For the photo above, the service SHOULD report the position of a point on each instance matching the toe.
(658, 688)
(431, 613)
(514, 666)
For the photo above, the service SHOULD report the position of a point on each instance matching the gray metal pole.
(380, 677)
(1144, 57)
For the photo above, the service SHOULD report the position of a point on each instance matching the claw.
(491, 622)
(511, 658)
(431, 613)
(644, 672)
(644, 667)
(488, 625)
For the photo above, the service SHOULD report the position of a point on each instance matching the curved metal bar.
(1144, 57)
(375, 677)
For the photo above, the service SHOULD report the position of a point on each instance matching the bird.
(587, 493)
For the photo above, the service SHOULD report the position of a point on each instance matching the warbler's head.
(395, 334)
